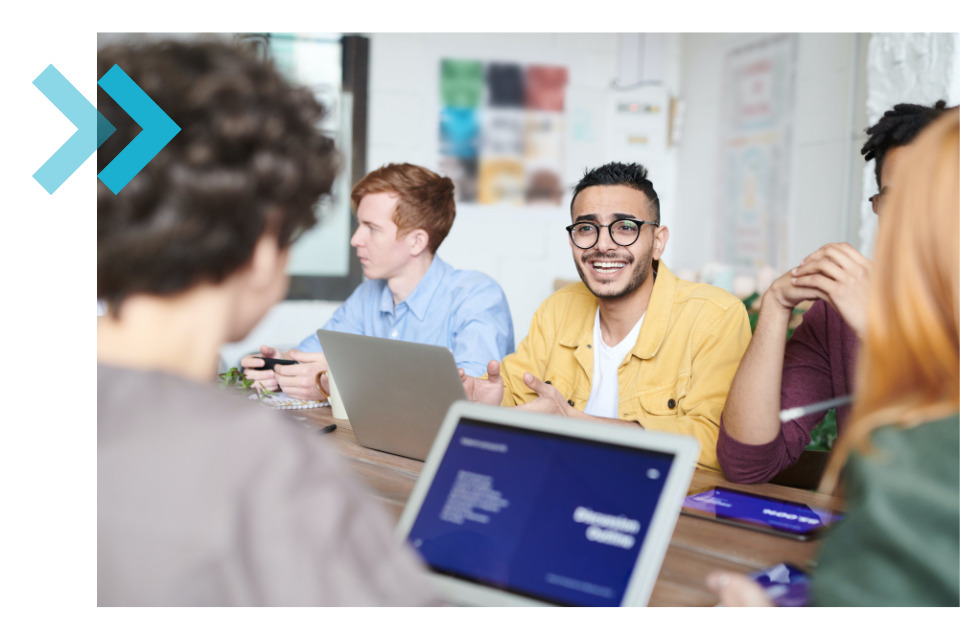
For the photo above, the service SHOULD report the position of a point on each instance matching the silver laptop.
(519, 508)
(395, 393)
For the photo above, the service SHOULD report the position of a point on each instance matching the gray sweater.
(204, 498)
(899, 544)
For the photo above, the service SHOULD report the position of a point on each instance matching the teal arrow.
(92, 129)
(158, 129)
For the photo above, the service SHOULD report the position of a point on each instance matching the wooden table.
(697, 547)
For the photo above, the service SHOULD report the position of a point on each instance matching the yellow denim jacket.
(675, 379)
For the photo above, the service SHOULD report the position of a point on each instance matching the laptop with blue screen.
(520, 508)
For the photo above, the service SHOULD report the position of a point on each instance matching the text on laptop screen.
(551, 517)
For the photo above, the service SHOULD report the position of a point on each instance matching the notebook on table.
(520, 508)
(280, 400)
(395, 393)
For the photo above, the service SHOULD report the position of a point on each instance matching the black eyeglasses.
(623, 232)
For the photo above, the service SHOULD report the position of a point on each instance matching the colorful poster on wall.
(501, 157)
(502, 131)
(459, 149)
(501, 152)
(544, 134)
(755, 150)
(461, 91)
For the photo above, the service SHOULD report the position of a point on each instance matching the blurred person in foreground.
(817, 362)
(631, 343)
(899, 544)
(404, 213)
(203, 498)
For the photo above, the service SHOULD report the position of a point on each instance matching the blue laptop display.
(547, 510)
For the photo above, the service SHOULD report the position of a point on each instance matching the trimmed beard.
(641, 267)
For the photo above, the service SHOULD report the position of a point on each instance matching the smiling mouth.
(607, 267)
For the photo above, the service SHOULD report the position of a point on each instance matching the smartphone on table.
(751, 511)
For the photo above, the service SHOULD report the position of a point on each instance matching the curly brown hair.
(249, 159)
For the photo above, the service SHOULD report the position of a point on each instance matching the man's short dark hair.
(249, 159)
(633, 175)
(896, 128)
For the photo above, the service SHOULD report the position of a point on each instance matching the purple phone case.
(785, 584)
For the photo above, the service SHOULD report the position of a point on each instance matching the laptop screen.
(547, 516)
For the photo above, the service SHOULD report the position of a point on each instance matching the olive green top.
(899, 544)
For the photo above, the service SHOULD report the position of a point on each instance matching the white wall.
(918, 68)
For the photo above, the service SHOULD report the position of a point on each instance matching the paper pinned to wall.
(755, 152)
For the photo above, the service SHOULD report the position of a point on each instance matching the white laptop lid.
(395, 393)
(519, 508)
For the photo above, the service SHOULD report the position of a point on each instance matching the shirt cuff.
(750, 463)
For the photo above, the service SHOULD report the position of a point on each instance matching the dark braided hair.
(898, 127)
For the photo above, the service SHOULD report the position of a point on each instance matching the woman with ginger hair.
(899, 544)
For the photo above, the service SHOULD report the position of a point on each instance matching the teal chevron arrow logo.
(92, 129)
(158, 129)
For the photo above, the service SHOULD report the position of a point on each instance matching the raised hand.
(549, 399)
(486, 391)
(839, 275)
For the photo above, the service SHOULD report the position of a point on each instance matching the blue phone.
(785, 584)
(760, 513)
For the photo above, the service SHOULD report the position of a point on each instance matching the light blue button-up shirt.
(464, 311)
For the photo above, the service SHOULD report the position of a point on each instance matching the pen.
(327, 428)
(798, 412)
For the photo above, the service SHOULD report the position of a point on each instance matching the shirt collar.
(573, 334)
(419, 299)
(386, 298)
(655, 320)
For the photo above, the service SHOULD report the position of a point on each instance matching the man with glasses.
(631, 343)
(817, 362)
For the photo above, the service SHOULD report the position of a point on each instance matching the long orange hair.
(908, 371)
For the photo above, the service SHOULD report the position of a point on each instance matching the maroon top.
(818, 365)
